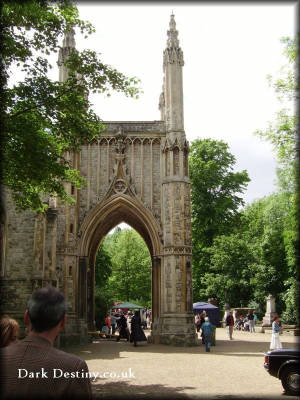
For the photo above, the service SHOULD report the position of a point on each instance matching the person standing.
(229, 325)
(32, 368)
(197, 322)
(137, 333)
(255, 319)
(207, 330)
(250, 317)
(202, 320)
(108, 323)
(122, 326)
(275, 340)
(113, 322)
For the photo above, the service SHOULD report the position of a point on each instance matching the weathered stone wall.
(142, 162)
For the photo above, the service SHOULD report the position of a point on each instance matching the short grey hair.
(46, 308)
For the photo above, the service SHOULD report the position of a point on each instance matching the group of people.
(207, 329)
(33, 368)
(112, 322)
(130, 328)
(246, 323)
(250, 320)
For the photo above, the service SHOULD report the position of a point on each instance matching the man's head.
(46, 309)
(206, 319)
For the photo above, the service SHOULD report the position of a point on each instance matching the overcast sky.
(228, 51)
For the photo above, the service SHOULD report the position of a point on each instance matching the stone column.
(176, 312)
(270, 311)
(176, 319)
(82, 288)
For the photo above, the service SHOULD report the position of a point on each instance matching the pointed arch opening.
(97, 224)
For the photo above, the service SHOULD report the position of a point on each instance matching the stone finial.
(173, 53)
(172, 34)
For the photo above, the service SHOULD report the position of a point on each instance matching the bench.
(99, 334)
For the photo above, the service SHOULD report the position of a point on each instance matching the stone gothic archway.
(96, 225)
(137, 172)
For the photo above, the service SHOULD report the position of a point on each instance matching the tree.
(282, 133)
(263, 223)
(229, 275)
(131, 267)
(43, 119)
(103, 266)
(103, 298)
(216, 197)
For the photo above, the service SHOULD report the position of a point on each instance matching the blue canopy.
(203, 306)
(212, 311)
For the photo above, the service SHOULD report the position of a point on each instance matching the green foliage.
(215, 195)
(251, 263)
(103, 267)
(215, 189)
(257, 254)
(103, 298)
(131, 263)
(43, 119)
(264, 221)
(229, 274)
(282, 133)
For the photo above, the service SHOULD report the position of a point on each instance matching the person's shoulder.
(12, 348)
(67, 357)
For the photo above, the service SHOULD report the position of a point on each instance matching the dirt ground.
(233, 370)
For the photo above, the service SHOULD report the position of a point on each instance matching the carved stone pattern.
(173, 56)
(180, 250)
(120, 186)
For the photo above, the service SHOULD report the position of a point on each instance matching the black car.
(284, 365)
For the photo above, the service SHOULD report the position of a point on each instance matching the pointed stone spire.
(173, 52)
(171, 102)
(172, 34)
(67, 46)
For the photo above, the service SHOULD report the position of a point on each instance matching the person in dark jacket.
(250, 317)
(122, 326)
(137, 333)
(229, 324)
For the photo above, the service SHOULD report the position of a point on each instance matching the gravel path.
(233, 370)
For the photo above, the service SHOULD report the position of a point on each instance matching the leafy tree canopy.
(282, 133)
(43, 119)
(216, 198)
(123, 268)
(215, 188)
